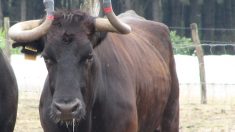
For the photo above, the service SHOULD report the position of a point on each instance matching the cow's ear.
(30, 48)
(97, 38)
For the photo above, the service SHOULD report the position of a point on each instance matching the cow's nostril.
(75, 108)
(68, 107)
(57, 106)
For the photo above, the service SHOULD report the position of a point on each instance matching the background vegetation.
(181, 45)
(2, 38)
(215, 18)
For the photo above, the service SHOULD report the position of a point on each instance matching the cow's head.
(66, 40)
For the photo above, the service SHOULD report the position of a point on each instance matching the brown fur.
(130, 86)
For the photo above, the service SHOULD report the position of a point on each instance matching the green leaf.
(181, 45)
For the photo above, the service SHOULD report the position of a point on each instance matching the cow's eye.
(87, 58)
(48, 61)
(90, 56)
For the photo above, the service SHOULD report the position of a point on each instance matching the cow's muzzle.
(67, 110)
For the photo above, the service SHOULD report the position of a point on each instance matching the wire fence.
(203, 29)
(215, 41)
(220, 94)
(210, 48)
(217, 116)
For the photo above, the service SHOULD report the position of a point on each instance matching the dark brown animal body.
(107, 82)
(8, 96)
(134, 87)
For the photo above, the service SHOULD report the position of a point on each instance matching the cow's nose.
(66, 108)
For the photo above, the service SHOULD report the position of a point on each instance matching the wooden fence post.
(200, 56)
(7, 49)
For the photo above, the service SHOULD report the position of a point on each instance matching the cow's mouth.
(67, 118)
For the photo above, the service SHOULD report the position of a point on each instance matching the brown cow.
(99, 81)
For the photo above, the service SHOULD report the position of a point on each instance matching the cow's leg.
(119, 112)
(170, 122)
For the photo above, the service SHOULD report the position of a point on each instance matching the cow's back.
(140, 58)
(8, 96)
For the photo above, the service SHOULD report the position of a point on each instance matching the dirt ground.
(216, 116)
(28, 115)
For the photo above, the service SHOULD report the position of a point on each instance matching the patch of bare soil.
(216, 116)
(28, 115)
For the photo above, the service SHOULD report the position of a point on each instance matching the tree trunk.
(7, 49)
(125, 5)
(208, 17)
(58, 4)
(35, 10)
(148, 9)
(69, 4)
(75, 4)
(5, 7)
(23, 10)
(195, 13)
(157, 10)
(233, 18)
(64, 3)
(177, 15)
(192, 15)
(166, 6)
(120, 6)
(4, 10)
(219, 23)
(116, 6)
(139, 7)
(15, 11)
(1, 14)
(225, 21)
(208, 21)
(229, 20)
(92, 7)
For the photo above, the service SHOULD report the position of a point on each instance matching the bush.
(181, 45)
(3, 43)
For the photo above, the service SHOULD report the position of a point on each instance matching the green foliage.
(2, 39)
(15, 50)
(181, 45)
(3, 43)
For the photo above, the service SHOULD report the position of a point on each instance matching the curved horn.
(29, 30)
(113, 24)
(32, 30)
